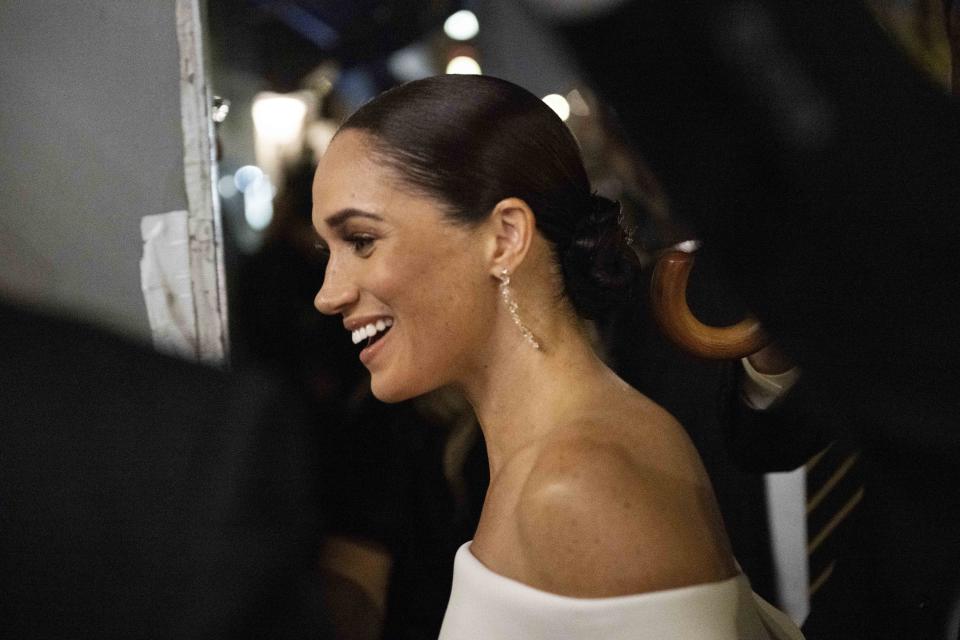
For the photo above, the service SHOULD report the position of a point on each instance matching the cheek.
(435, 287)
(434, 341)
(451, 302)
(443, 305)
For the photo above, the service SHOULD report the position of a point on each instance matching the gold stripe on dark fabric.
(834, 491)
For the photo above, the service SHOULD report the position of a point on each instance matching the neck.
(520, 394)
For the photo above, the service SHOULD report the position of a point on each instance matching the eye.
(362, 243)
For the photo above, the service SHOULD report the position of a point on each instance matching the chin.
(390, 382)
(386, 390)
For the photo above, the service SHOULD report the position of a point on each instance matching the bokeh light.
(246, 176)
(559, 105)
(462, 25)
(278, 118)
(463, 65)
(227, 187)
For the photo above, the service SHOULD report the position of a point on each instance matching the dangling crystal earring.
(507, 296)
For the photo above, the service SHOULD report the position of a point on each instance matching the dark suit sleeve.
(146, 497)
(782, 437)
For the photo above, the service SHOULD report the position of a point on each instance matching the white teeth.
(370, 330)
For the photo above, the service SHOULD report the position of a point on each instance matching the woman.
(466, 249)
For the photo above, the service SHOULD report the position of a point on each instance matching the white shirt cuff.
(761, 390)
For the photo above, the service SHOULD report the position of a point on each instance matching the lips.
(375, 344)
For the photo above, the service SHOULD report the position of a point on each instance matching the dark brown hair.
(471, 141)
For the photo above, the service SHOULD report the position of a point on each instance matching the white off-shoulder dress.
(487, 606)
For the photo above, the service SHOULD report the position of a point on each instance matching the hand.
(770, 360)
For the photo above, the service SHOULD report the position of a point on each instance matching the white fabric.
(487, 606)
(761, 390)
(167, 282)
(787, 518)
(786, 501)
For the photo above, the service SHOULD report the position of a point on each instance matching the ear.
(513, 226)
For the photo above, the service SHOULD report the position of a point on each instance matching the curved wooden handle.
(668, 290)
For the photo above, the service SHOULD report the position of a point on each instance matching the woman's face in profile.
(412, 287)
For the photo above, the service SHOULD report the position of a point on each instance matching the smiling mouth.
(372, 332)
(377, 337)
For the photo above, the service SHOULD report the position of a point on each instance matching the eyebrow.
(339, 218)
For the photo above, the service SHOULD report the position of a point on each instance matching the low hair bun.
(599, 266)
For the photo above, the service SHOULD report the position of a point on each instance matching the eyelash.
(362, 243)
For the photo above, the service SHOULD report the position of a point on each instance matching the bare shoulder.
(608, 512)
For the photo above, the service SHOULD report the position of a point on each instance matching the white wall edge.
(205, 225)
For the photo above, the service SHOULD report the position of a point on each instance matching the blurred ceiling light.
(258, 203)
(464, 65)
(462, 25)
(578, 106)
(246, 176)
(227, 187)
(559, 104)
(411, 63)
(278, 118)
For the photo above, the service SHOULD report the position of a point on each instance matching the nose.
(336, 294)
